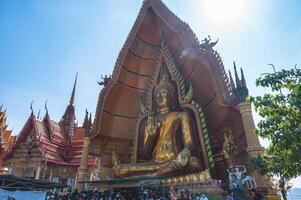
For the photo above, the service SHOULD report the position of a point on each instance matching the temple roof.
(118, 103)
(51, 141)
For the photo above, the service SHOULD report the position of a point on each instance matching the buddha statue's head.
(164, 94)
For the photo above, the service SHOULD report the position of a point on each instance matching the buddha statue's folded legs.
(135, 169)
(182, 161)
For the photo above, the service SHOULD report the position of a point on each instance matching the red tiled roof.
(52, 141)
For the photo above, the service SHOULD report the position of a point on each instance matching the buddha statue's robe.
(167, 147)
(167, 153)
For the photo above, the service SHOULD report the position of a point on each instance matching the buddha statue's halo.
(165, 84)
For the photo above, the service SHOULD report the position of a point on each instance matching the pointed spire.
(73, 91)
(38, 116)
(241, 91)
(68, 119)
(86, 124)
(86, 119)
(31, 107)
(46, 108)
(243, 80)
(232, 85)
(236, 75)
(90, 122)
(90, 119)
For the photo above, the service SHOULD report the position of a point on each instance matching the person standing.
(255, 195)
(173, 193)
(203, 197)
(75, 194)
(230, 195)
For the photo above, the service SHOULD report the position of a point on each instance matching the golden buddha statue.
(167, 139)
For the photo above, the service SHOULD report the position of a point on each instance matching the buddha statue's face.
(163, 98)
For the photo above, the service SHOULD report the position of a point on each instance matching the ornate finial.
(90, 119)
(46, 107)
(236, 75)
(86, 124)
(105, 80)
(241, 91)
(86, 116)
(232, 85)
(243, 81)
(73, 91)
(206, 44)
(38, 116)
(31, 107)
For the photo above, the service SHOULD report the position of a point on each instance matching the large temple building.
(49, 150)
(169, 110)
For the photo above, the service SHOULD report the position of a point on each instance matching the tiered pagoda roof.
(51, 140)
(59, 142)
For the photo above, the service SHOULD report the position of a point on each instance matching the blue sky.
(44, 43)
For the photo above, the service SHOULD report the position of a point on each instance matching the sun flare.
(222, 11)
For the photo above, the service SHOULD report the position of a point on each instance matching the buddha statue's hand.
(152, 125)
(182, 158)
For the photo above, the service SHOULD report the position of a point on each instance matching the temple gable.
(158, 37)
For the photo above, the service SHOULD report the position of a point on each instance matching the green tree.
(281, 124)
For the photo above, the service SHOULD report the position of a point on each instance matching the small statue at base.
(238, 178)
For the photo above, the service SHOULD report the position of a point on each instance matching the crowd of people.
(144, 194)
(129, 194)
(251, 195)
(102, 195)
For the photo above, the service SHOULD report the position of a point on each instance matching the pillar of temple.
(50, 175)
(83, 169)
(253, 146)
(38, 171)
(75, 181)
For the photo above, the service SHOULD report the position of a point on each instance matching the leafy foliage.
(281, 123)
